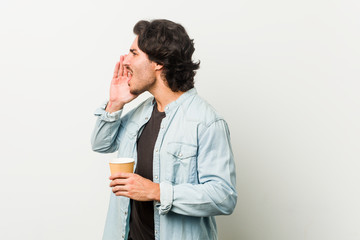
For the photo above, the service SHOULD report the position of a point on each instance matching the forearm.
(106, 130)
(208, 199)
(114, 106)
(104, 136)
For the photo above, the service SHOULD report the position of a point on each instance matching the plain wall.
(284, 74)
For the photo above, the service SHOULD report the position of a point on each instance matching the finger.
(120, 175)
(121, 69)
(125, 72)
(119, 189)
(116, 70)
(122, 193)
(118, 181)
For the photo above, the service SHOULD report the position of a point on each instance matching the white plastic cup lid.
(122, 160)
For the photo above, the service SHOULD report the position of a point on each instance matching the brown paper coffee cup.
(121, 165)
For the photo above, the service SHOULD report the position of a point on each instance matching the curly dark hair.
(168, 44)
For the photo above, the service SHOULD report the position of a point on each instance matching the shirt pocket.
(181, 163)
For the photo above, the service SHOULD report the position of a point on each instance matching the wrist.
(155, 195)
(113, 107)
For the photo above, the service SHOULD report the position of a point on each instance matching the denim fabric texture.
(193, 163)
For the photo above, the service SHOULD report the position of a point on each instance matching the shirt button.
(166, 108)
(123, 236)
(125, 213)
(156, 177)
(180, 155)
(146, 118)
(155, 231)
(156, 150)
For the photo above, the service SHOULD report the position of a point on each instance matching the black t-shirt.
(142, 213)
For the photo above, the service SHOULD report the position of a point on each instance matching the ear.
(158, 67)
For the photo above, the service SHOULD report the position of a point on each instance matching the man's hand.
(119, 88)
(134, 186)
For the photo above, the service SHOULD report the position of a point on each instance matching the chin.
(136, 91)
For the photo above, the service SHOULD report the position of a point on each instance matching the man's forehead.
(134, 45)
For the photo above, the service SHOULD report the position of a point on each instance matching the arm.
(104, 136)
(215, 194)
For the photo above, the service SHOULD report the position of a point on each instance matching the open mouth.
(129, 75)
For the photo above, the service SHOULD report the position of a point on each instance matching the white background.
(284, 74)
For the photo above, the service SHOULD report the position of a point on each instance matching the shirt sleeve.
(104, 136)
(166, 198)
(215, 194)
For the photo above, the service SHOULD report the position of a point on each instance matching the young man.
(184, 166)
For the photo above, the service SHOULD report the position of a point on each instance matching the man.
(184, 167)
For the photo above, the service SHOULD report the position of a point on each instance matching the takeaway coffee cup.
(121, 165)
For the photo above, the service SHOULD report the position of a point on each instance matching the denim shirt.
(192, 161)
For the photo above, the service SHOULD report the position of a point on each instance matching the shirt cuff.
(166, 198)
(106, 116)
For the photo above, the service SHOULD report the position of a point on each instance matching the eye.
(133, 52)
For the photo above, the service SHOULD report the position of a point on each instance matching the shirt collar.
(179, 101)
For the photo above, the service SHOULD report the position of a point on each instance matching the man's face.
(141, 70)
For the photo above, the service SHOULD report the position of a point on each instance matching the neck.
(162, 93)
(165, 96)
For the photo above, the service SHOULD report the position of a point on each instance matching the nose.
(126, 61)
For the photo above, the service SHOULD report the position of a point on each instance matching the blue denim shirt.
(193, 163)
